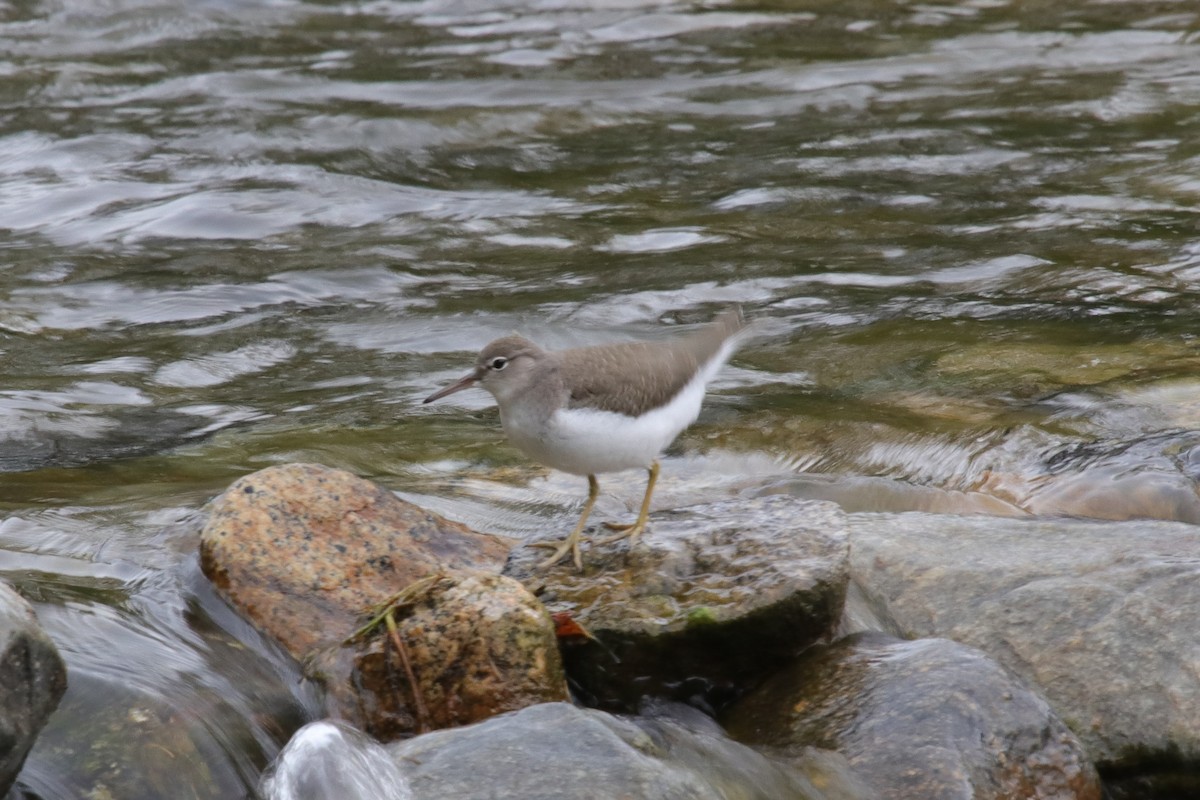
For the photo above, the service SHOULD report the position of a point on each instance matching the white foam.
(326, 759)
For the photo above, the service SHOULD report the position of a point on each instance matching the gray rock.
(49, 438)
(710, 598)
(112, 738)
(1103, 617)
(559, 752)
(927, 720)
(1147, 477)
(32, 680)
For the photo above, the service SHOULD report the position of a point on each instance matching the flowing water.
(237, 234)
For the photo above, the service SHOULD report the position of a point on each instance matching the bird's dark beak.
(465, 383)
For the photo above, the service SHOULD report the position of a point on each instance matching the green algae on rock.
(712, 598)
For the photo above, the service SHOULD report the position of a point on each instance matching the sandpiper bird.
(604, 408)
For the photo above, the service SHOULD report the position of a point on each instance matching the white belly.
(586, 441)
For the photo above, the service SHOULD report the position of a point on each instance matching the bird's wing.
(635, 377)
(628, 379)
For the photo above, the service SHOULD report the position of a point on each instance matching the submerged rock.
(32, 680)
(1102, 617)
(55, 438)
(554, 752)
(711, 598)
(927, 720)
(1148, 477)
(113, 739)
(550, 752)
(306, 552)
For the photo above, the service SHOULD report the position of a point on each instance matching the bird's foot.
(632, 530)
(626, 530)
(569, 545)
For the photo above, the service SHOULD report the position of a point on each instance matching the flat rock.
(710, 598)
(927, 720)
(32, 680)
(1102, 617)
(554, 751)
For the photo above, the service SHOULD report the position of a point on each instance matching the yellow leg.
(634, 529)
(571, 545)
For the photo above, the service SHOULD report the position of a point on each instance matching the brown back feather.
(634, 377)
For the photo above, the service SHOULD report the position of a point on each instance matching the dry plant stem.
(422, 713)
(401, 598)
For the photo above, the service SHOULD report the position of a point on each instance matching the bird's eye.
(498, 363)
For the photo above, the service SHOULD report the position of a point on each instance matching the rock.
(694, 740)
(548, 752)
(306, 551)
(46, 438)
(712, 597)
(113, 739)
(874, 493)
(928, 720)
(32, 680)
(477, 644)
(1102, 617)
(303, 550)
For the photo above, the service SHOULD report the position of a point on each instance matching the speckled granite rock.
(303, 550)
(712, 597)
(306, 551)
(927, 720)
(478, 644)
(32, 680)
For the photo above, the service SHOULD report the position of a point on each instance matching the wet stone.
(307, 553)
(1148, 477)
(711, 598)
(475, 645)
(32, 680)
(559, 752)
(112, 739)
(303, 550)
(554, 751)
(927, 720)
(1100, 616)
